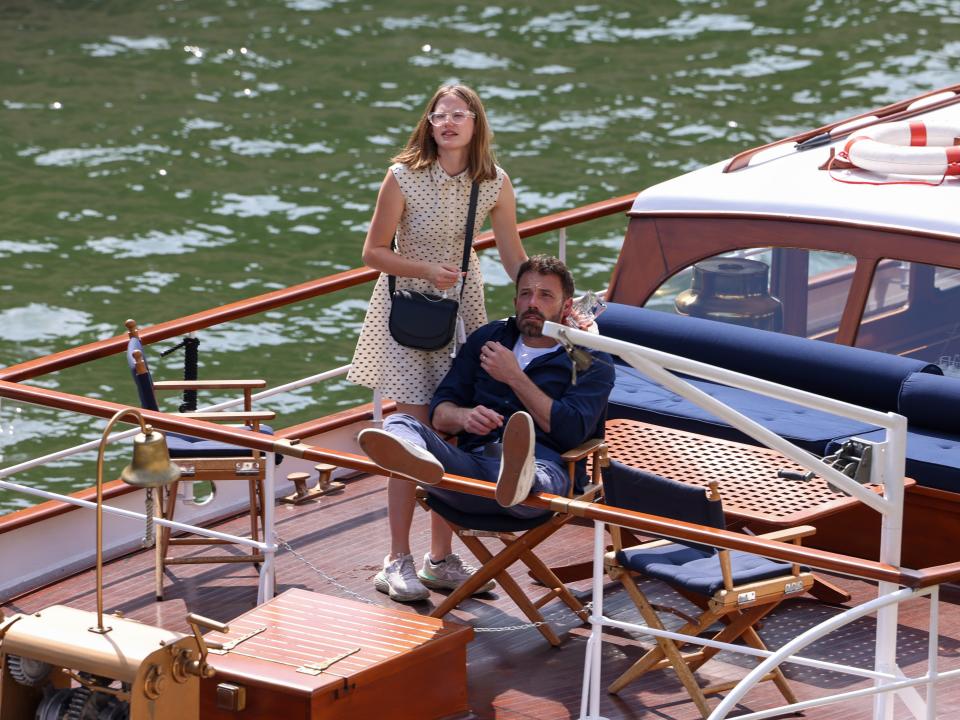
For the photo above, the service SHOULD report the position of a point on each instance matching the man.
(511, 399)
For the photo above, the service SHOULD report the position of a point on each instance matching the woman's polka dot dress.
(431, 229)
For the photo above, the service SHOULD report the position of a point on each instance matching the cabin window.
(810, 287)
(913, 309)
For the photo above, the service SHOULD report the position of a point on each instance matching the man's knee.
(403, 421)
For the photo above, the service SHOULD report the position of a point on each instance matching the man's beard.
(530, 327)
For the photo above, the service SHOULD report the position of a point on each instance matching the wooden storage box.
(386, 663)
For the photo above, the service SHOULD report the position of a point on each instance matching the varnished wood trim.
(338, 420)
(890, 113)
(286, 296)
(642, 522)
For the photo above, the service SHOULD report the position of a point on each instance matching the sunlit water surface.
(163, 158)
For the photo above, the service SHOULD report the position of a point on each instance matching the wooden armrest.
(788, 534)
(209, 384)
(239, 416)
(581, 451)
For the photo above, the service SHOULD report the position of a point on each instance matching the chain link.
(340, 586)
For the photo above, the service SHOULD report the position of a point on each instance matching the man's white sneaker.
(449, 574)
(399, 580)
(399, 456)
(517, 468)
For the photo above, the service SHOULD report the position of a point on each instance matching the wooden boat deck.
(338, 544)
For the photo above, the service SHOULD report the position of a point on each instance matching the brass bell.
(151, 466)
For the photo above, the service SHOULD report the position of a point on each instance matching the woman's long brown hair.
(421, 149)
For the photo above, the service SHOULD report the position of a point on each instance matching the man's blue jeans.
(550, 477)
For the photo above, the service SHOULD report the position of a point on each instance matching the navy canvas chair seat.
(189, 446)
(737, 589)
(204, 460)
(698, 570)
(520, 536)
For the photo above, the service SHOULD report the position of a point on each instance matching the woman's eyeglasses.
(457, 118)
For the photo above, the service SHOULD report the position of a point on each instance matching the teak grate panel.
(747, 475)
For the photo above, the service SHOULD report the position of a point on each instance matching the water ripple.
(92, 157)
(157, 242)
(119, 44)
(39, 322)
(259, 147)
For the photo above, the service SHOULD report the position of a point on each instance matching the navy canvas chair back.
(633, 489)
(141, 375)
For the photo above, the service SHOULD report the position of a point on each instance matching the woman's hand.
(443, 276)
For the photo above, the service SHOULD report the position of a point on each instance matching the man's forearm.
(535, 400)
(449, 418)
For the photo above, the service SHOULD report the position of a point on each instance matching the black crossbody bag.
(423, 320)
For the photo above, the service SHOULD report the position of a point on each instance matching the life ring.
(906, 148)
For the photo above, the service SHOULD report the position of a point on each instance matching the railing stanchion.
(590, 696)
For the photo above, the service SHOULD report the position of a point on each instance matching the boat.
(851, 265)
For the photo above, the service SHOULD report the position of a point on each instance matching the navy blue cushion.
(933, 458)
(637, 397)
(488, 522)
(931, 401)
(185, 446)
(698, 570)
(863, 377)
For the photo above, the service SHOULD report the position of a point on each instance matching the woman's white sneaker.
(399, 580)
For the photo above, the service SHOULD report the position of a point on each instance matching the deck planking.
(336, 545)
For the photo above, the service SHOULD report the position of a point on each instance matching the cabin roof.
(785, 182)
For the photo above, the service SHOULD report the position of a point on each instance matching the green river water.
(161, 157)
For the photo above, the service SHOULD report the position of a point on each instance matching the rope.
(190, 345)
(148, 533)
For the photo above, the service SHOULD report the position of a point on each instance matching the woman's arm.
(503, 218)
(377, 252)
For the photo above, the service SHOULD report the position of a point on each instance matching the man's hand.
(499, 362)
(481, 420)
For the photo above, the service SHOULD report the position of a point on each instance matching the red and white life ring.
(906, 148)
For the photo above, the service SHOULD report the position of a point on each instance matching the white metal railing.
(887, 470)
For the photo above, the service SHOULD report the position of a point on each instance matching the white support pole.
(562, 245)
(933, 645)
(590, 696)
(378, 406)
(801, 641)
(267, 585)
(889, 471)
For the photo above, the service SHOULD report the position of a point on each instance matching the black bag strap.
(467, 239)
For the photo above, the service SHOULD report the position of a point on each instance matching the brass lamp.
(150, 468)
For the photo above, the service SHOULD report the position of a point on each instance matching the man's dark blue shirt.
(578, 411)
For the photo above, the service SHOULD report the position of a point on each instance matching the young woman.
(423, 203)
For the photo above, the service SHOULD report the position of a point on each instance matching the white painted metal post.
(562, 245)
(890, 470)
(377, 406)
(590, 696)
(268, 579)
(933, 644)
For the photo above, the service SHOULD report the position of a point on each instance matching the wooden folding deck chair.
(203, 460)
(736, 589)
(520, 536)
